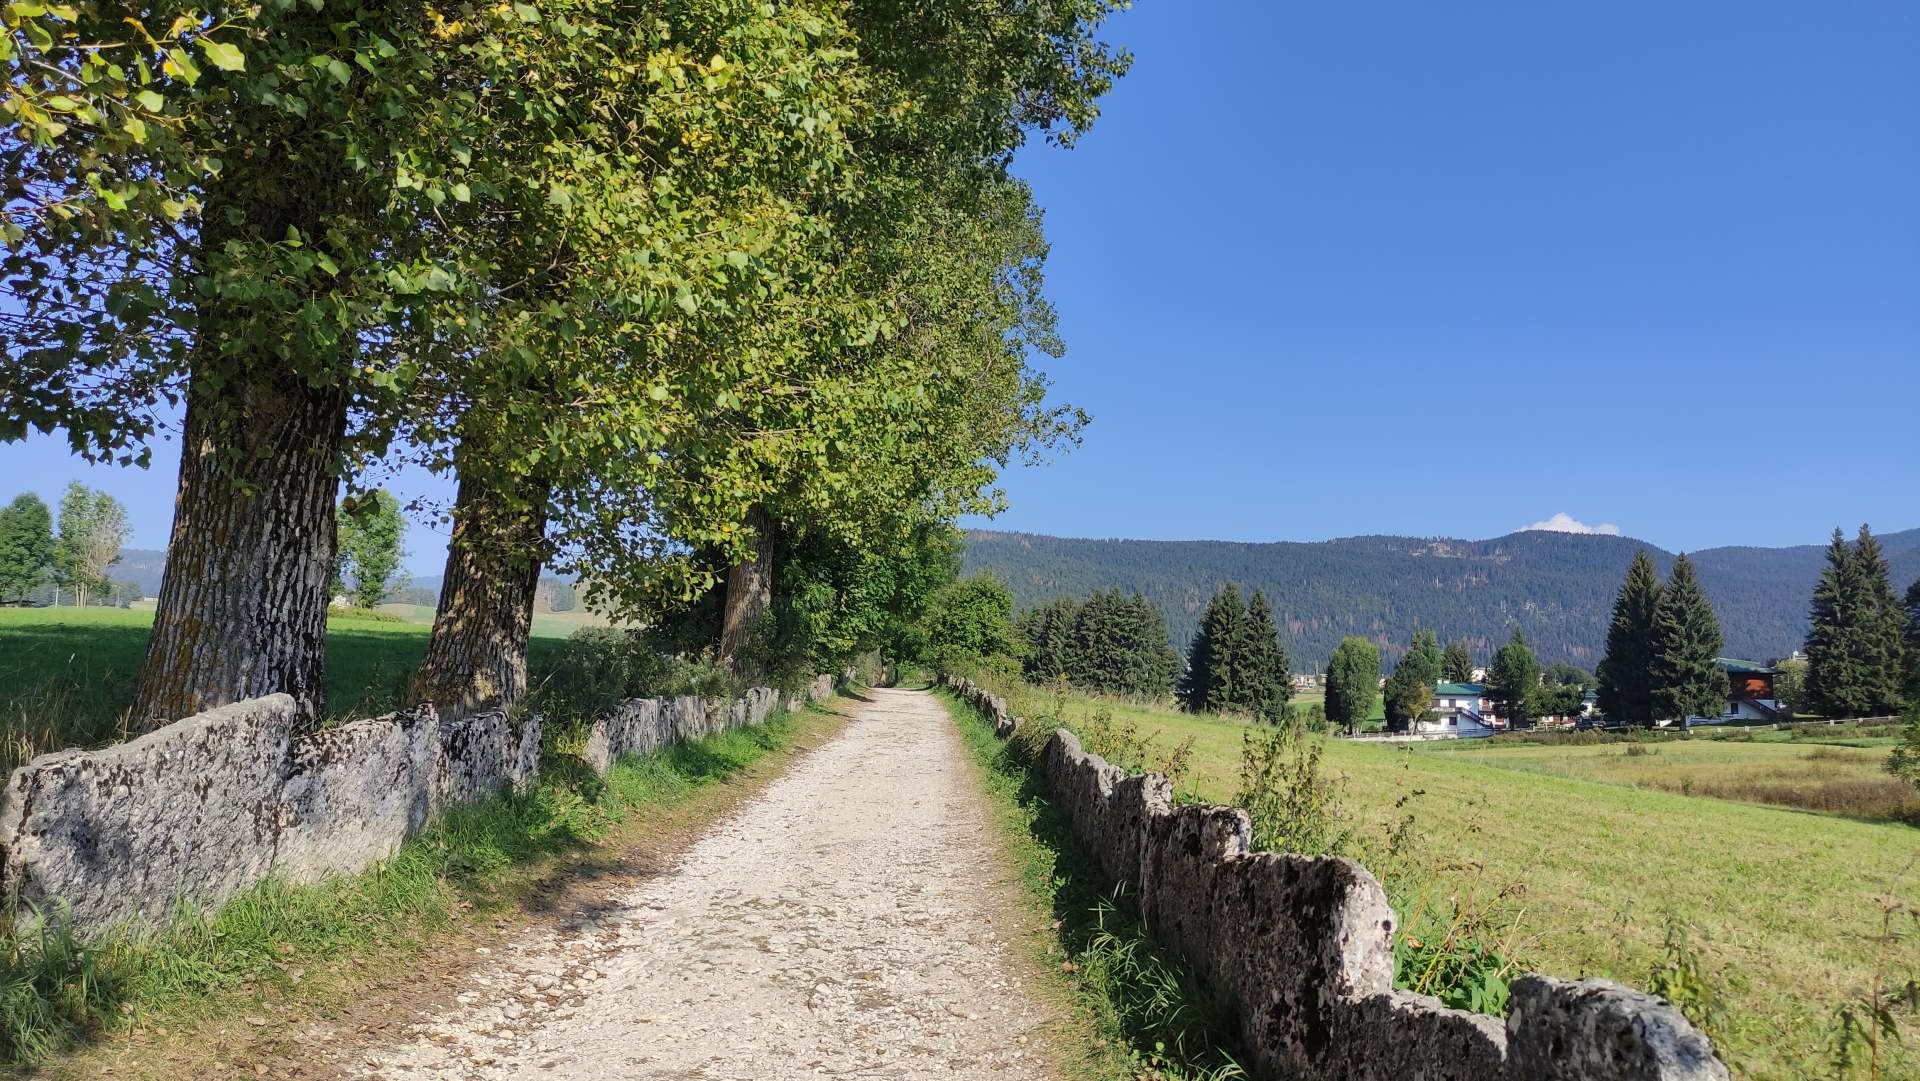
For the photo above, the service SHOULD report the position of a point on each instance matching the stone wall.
(1303, 949)
(205, 807)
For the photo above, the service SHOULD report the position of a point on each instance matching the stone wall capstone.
(200, 810)
(1303, 950)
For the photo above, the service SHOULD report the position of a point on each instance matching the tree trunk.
(749, 592)
(242, 609)
(477, 656)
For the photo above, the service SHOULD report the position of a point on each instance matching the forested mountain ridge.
(1557, 587)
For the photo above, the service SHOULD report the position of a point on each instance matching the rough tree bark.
(477, 656)
(749, 592)
(242, 609)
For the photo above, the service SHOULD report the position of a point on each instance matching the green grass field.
(67, 674)
(1784, 905)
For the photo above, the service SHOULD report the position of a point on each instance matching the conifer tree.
(1208, 686)
(1858, 642)
(1409, 690)
(1151, 662)
(1512, 679)
(1882, 628)
(1192, 688)
(1262, 683)
(1687, 679)
(1228, 635)
(1456, 664)
(1048, 631)
(1626, 681)
(1913, 644)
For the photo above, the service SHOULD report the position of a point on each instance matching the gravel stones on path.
(839, 924)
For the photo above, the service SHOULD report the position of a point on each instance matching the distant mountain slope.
(1558, 587)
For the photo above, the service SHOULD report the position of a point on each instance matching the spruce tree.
(1883, 628)
(1047, 631)
(1835, 685)
(1913, 644)
(1196, 683)
(1150, 660)
(1456, 664)
(1228, 637)
(1687, 678)
(1262, 684)
(1409, 690)
(1512, 680)
(1625, 675)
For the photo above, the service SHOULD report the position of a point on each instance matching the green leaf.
(150, 101)
(341, 73)
(462, 193)
(527, 12)
(223, 56)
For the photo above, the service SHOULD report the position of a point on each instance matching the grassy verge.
(284, 942)
(1147, 1016)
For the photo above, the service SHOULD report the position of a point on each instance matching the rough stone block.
(1401, 1036)
(1596, 1030)
(479, 755)
(354, 793)
(188, 811)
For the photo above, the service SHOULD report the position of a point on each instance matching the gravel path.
(840, 924)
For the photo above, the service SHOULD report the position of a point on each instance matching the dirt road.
(840, 924)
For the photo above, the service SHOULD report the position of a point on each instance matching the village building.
(1459, 710)
(1751, 697)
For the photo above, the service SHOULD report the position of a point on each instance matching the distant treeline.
(1558, 588)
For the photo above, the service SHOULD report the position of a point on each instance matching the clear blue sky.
(1453, 269)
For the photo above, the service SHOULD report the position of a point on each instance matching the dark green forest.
(1556, 587)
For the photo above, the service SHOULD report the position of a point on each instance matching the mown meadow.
(67, 674)
(1597, 859)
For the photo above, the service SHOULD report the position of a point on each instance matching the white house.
(1460, 710)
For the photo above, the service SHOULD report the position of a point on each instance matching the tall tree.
(1687, 679)
(1262, 681)
(1211, 668)
(1353, 678)
(1046, 632)
(1883, 627)
(1409, 691)
(93, 527)
(1856, 638)
(1912, 602)
(105, 539)
(1456, 663)
(970, 622)
(1834, 682)
(371, 528)
(1512, 681)
(1626, 670)
(26, 547)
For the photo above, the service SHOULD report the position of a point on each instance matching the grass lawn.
(1844, 777)
(66, 674)
(1783, 904)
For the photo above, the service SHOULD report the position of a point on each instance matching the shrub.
(1295, 806)
(600, 667)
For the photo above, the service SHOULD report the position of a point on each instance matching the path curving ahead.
(839, 924)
